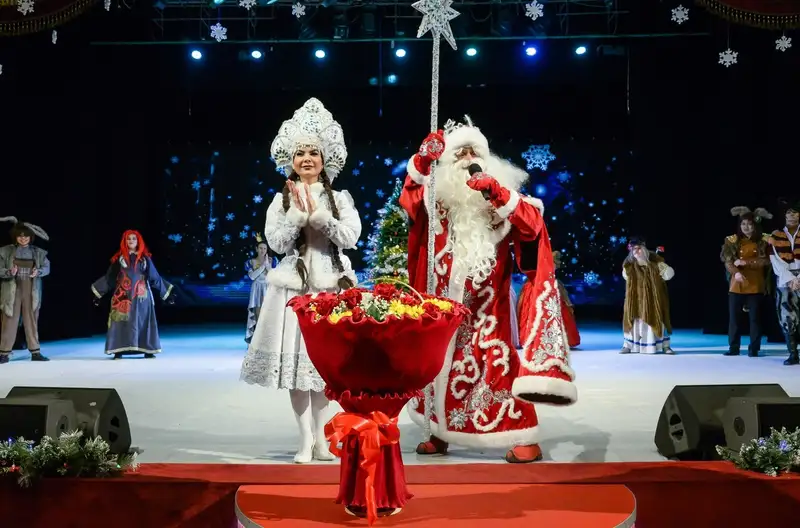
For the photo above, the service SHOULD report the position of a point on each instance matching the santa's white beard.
(470, 222)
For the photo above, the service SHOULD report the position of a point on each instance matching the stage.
(188, 405)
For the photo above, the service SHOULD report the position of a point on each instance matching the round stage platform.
(462, 505)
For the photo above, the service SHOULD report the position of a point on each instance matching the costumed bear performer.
(482, 396)
(310, 224)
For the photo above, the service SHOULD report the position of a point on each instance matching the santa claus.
(483, 397)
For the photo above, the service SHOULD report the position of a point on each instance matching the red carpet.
(667, 494)
(461, 505)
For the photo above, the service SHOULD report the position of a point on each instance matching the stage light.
(471, 52)
(320, 54)
(373, 81)
(580, 50)
(530, 51)
(391, 78)
(400, 53)
(218, 2)
(196, 55)
(256, 54)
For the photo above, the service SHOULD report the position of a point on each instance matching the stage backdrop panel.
(215, 199)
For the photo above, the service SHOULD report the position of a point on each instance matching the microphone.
(474, 169)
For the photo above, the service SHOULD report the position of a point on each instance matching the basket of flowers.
(375, 349)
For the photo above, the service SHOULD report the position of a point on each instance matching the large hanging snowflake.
(783, 43)
(538, 156)
(680, 14)
(534, 10)
(25, 6)
(298, 10)
(728, 57)
(219, 32)
(247, 4)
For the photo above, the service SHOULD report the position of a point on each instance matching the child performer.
(132, 326)
(646, 322)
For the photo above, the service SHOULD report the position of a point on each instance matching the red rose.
(326, 305)
(358, 314)
(411, 300)
(387, 291)
(430, 309)
(351, 297)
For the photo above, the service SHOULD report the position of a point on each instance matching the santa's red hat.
(545, 375)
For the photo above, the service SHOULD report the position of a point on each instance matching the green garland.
(69, 456)
(774, 455)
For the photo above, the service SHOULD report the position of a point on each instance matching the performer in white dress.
(646, 323)
(257, 271)
(310, 224)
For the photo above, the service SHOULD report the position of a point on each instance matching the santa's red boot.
(434, 446)
(524, 454)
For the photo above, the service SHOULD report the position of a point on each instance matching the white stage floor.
(188, 405)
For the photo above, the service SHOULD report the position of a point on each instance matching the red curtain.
(768, 14)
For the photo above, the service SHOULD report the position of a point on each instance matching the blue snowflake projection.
(591, 278)
(230, 216)
(226, 238)
(243, 234)
(538, 157)
(196, 186)
(175, 160)
(388, 162)
(563, 176)
(176, 237)
(356, 172)
(257, 199)
(209, 251)
(211, 226)
(379, 193)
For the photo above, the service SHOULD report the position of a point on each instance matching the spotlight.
(320, 53)
(196, 55)
(218, 2)
(373, 81)
(256, 54)
(391, 78)
(530, 51)
(580, 50)
(400, 53)
(471, 52)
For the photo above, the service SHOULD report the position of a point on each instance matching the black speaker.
(746, 419)
(99, 412)
(690, 424)
(33, 418)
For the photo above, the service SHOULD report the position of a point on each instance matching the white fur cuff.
(537, 203)
(296, 217)
(319, 218)
(416, 176)
(508, 209)
(546, 386)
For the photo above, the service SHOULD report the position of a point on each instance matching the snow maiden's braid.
(344, 282)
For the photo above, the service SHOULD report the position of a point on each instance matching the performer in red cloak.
(527, 312)
(482, 396)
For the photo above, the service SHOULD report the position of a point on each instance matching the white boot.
(319, 404)
(301, 405)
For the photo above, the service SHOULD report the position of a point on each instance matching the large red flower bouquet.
(375, 350)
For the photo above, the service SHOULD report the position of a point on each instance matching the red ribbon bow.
(373, 431)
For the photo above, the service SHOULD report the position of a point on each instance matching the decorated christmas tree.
(387, 245)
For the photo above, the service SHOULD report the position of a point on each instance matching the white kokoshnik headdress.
(311, 126)
(36, 230)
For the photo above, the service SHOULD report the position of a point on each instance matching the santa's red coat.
(473, 401)
(526, 313)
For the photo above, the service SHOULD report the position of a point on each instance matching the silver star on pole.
(436, 17)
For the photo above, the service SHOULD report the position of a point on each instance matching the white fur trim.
(507, 174)
(296, 217)
(319, 218)
(508, 209)
(537, 203)
(545, 385)
(416, 176)
(501, 440)
(465, 136)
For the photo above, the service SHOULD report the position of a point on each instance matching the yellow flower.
(399, 309)
(445, 306)
(335, 317)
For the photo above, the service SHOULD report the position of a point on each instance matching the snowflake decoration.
(388, 162)
(107, 4)
(356, 172)
(247, 4)
(25, 6)
(196, 185)
(54, 37)
(590, 277)
(298, 10)
(534, 10)
(177, 238)
(680, 15)
(783, 43)
(257, 199)
(230, 216)
(219, 32)
(436, 17)
(243, 234)
(728, 57)
(209, 251)
(538, 156)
